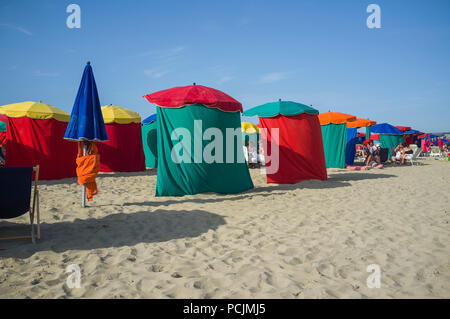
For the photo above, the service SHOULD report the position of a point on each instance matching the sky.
(316, 52)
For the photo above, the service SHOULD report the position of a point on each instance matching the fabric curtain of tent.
(149, 141)
(368, 132)
(350, 148)
(334, 142)
(3, 120)
(390, 142)
(123, 152)
(193, 174)
(31, 142)
(409, 139)
(301, 155)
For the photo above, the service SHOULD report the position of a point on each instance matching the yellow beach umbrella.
(249, 128)
(116, 114)
(34, 110)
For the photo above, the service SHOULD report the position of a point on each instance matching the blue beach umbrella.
(86, 121)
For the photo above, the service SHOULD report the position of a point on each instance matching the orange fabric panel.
(88, 167)
(335, 118)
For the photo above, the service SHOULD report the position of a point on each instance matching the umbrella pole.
(83, 201)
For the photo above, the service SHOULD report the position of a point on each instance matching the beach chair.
(415, 156)
(435, 151)
(15, 197)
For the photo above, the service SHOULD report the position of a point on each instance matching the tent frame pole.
(83, 200)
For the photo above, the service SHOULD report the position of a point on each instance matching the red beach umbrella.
(194, 94)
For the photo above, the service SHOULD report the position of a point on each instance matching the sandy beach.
(309, 240)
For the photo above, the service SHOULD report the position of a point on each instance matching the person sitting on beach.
(398, 153)
(406, 153)
(373, 159)
(252, 154)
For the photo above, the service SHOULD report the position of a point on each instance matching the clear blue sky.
(315, 52)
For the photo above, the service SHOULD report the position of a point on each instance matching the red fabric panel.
(2, 138)
(30, 142)
(123, 152)
(404, 128)
(409, 139)
(194, 94)
(300, 148)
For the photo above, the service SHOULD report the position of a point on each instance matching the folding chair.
(15, 197)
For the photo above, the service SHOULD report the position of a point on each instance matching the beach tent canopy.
(120, 115)
(385, 128)
(300, 148)
(334, 135)
(152, 118)
(404, 128)
(335, 118)
(412, 132)
(360, 123)
(35, 110)
(195, 162)
(286, 108)
(194, 94)
(249, 128)
(123, 152)
(34, 136)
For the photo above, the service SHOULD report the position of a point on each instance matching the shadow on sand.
(334, 181)
(115, 230)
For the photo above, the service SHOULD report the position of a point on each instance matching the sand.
(310, 240)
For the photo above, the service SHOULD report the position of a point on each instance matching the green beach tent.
(390, 136)
(199, 142)
(149, 141)
(334, 135)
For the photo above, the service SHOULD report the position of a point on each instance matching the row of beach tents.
(306, 142)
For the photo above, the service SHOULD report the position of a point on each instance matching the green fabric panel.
(280, 107)
(149, 142)
(390, 142)
(368, 132)
(334, 138)
(2, 127)
(177, 179)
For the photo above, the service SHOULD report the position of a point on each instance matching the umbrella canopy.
(426, 135)
(375, 137)
(249, 128)
(194, 94)
(404, 128)
(286, 108)
(152, 118)
(86, 121)
(361, 123)
(412, 132)
(385, 128)
(34, 110)
(335, 118)
(116, 114)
